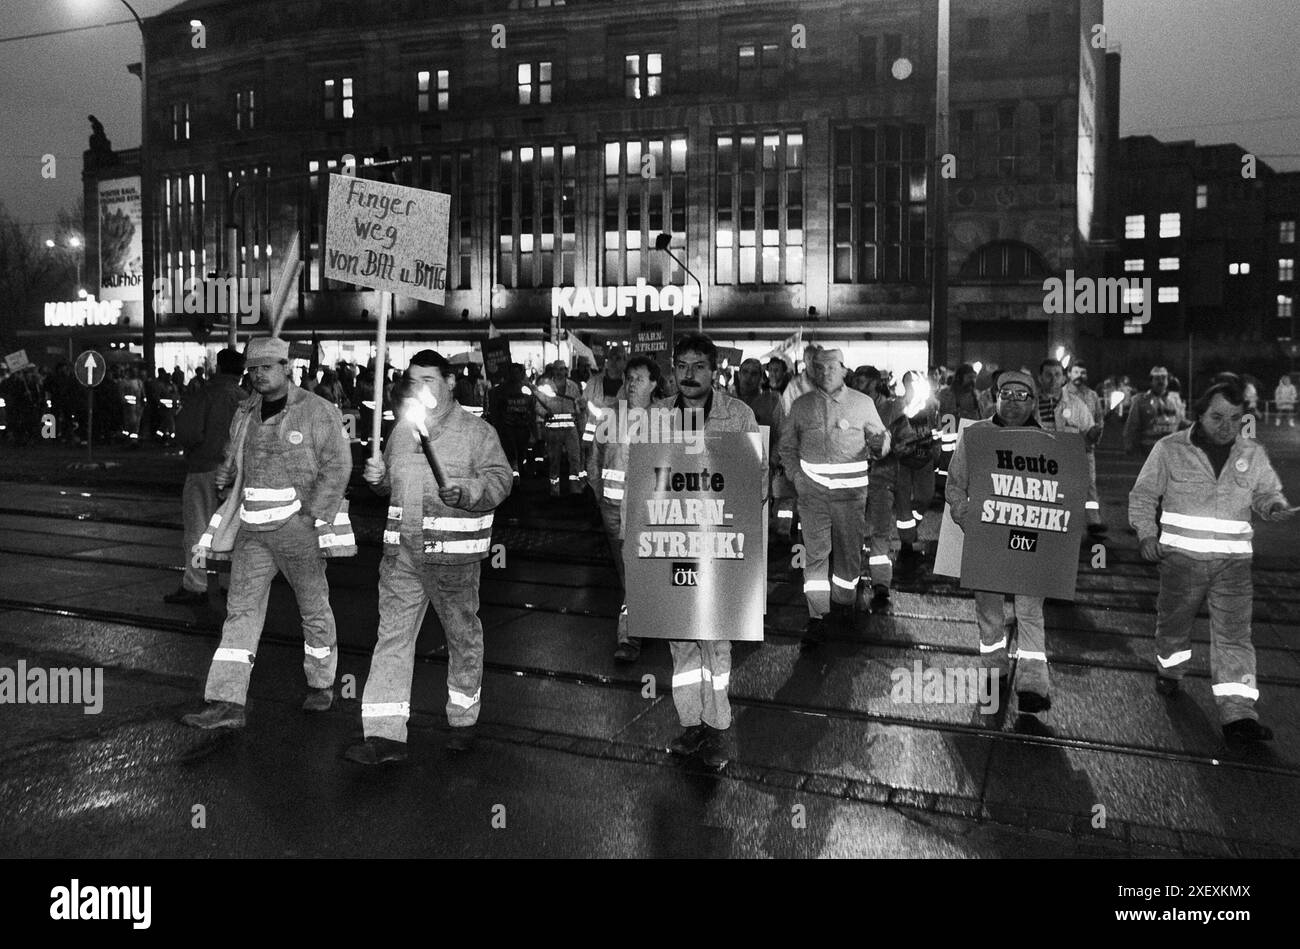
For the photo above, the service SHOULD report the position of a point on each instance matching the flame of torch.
(414, 411)
(1116, 398)
(920, 397)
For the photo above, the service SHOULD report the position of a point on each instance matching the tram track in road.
(211, 631)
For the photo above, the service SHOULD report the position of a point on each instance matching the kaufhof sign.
(619, 301)
(87, 312)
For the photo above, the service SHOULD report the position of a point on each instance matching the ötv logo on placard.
(1026, 541)
(686, 573)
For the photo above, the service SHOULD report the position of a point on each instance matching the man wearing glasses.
(1017, 406)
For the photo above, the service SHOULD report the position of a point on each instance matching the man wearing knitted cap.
(828, 440)
(287, 467)
(1017, 407)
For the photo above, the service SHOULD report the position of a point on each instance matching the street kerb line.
(606, 681)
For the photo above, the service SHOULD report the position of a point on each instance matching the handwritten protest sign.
(694, 546)
(387, 237)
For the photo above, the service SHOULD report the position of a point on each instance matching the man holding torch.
(446, 472)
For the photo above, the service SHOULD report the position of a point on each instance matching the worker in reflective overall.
(600, 393)
(702, 668)
(1204, 483)
(611, 438)
(559, 407)
(287, 468)
(1016, 407)
(912, 439)
(1153, 415)
(434, 543)
(827, 442)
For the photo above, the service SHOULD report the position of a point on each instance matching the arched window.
(1004, 261)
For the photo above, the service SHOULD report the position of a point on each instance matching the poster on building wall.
(652, 335)
(121, 240)
(1027, 490)
(388, 237)
(694, 548)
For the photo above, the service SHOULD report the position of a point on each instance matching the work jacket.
(1201, 516)
(828, 441)
(559, 408)
(1151, 418)
(203, 423)
(956, 490)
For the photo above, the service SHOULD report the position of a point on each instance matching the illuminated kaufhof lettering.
(88, 312)
(618, 301)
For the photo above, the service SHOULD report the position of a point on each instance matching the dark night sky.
(1192, 69)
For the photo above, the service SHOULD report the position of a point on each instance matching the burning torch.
(416, 406)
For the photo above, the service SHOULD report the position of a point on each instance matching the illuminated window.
(643, 75)
(1167, 295)
(880, 186)
(1170, 225)
(1134, 297)
(758, 66)
(534, 80)
(644, 196)
(1135, 226)
(536, 229)
(181, 122)
(430, 84)
(1239, 269)
(759, 235)
(1169, 263)
(338, 98)
(1134, 264)
(1285, 305)
(1286, 269)
(1202, 196)
(1286, 232)
(245, 114)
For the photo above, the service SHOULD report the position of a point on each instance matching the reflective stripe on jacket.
(1201, 516)
(827, 442)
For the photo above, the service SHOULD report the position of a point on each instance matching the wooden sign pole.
(381, 344)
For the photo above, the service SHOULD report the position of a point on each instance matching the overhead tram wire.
(70, 29)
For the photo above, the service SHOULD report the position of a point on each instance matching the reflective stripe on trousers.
(701, 677)
(1031, 639)
(1226, 587)
(832, 535)
(407, 585)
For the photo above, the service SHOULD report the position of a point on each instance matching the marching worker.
(702, 668)
(512, 412)
(559, 406)
(1153, 415)
(287, 466)
(434, 543)
(827, 442)
(803, 382)
(1079, 384)
(912, 439)
(640, 379)
(1062, 409)
(960, 399)
(1205, 482)
(600, 393)
(203, 432)
(1016, 407)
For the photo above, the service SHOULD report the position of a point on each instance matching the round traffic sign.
(90, 368)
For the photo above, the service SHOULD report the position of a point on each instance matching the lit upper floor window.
(1134, 264)
(1286, 269)
(1171, 225)
(758, 66)
(245, 110)
(1202, 196)
(1135, 226)
(1167, 295)
(1286, 232)
(1239, 269)
(1169, 263)
(180, 121)
(1285, 305)
(534, 82)
(643, 75)
(337, 94)
(430, 84)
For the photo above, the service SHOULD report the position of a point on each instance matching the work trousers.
(881, 523)
(913, 492)
(562, 443)
(198, 504)
(407, 585)
(1186, 583)
(293, 550)
(1093, 504)
(516, 441)
(612, 517)
(1031, 639)
(701, 675)
(832, 537)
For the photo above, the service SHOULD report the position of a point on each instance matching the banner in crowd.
(693, 546)
(1027, 492)
(388, 237)
(121, 240)
(18, 361)
(496, 356)
(652, 335)
(790, 349)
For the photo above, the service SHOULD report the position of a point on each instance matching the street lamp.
(74, 243)
(661, 243)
